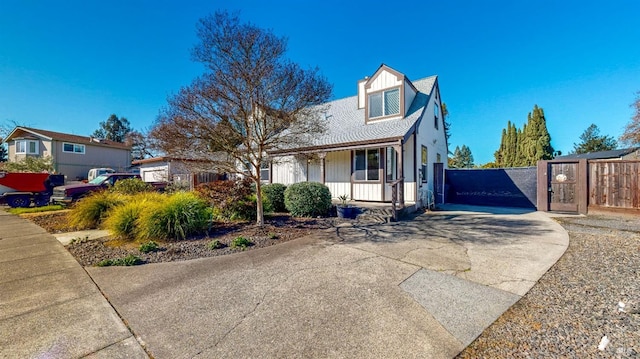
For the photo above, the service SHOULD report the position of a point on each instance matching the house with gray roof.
(72, 155)
(391, 132)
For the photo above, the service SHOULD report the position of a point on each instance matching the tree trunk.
(259, 208)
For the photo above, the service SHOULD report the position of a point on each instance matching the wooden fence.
(614, 185)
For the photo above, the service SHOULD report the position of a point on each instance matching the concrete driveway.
(423, 288)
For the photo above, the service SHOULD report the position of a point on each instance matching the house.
(171, 169)
(72, 155)
(391, 131)
(621, 154)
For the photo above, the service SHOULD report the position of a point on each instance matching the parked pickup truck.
(72, 192)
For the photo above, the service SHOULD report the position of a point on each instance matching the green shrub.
(150, 246)
(122, 220)
(180, 215)
(241, 242)
(129, 260)
(215, 244)
(131, 186)
(90, 211)
(272, 235)
(231, 200)
(307, 199)
(273, 197)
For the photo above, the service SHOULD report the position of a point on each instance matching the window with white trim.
(73, 148)
(27, 147)
(366, 165)
(436, 115)
(384, 103)
(265, 171)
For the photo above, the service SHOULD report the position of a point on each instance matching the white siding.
(361, 93)
(313, 171)
(367, 192)
(154, 173)
(410, 192)
(433, 139)
(288, 170)
(384, 80)
(339, 189)
(338, 173)
(409, 160)
(409, 95)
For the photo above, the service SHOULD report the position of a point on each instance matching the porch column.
(398, 149)
(322, 156)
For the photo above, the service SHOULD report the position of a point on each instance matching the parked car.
(95, 172)
(72, 192)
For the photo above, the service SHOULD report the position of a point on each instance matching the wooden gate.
(562, 186)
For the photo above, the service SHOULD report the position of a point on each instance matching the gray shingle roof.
(601, 155)
(346, 123)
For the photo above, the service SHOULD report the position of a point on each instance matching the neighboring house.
(622, 154)
(169, 169)
(72, 155)
(391, 130)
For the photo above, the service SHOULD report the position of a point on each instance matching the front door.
(563, 186)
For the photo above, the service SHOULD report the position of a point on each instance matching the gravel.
(593, 291)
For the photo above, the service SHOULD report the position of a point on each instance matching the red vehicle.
(22, 189)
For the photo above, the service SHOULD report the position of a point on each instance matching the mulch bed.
(277, 229)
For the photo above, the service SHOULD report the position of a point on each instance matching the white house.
(391, 131)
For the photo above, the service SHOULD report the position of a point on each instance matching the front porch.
(380, 212)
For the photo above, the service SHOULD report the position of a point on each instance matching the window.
(436, 115)
(366, 165)
(265, 171)
(385, 103)
(424, 164)
(438, 158)
(391, 165)
(26, 147)
(73, 148)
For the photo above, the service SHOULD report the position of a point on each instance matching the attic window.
(384, 103)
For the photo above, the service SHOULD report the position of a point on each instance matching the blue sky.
(67, 65)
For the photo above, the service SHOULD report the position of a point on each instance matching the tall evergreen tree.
(591, 141)
(462, 158)
(525, 147)
(114, 128)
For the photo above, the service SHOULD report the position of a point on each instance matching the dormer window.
(384, 103)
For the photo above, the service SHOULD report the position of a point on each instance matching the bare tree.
(250, 101)
(631, 134)
(141, 145)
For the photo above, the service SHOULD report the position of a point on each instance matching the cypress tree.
(525, 147)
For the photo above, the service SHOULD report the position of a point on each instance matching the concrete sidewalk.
(49, 306)
(422, 288)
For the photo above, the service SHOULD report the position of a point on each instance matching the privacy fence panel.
(509, 187)
(614, 185)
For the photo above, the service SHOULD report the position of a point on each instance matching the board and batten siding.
(337, 168)
(384, 81)
(288, 170)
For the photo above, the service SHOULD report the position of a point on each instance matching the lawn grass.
(53, 207)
